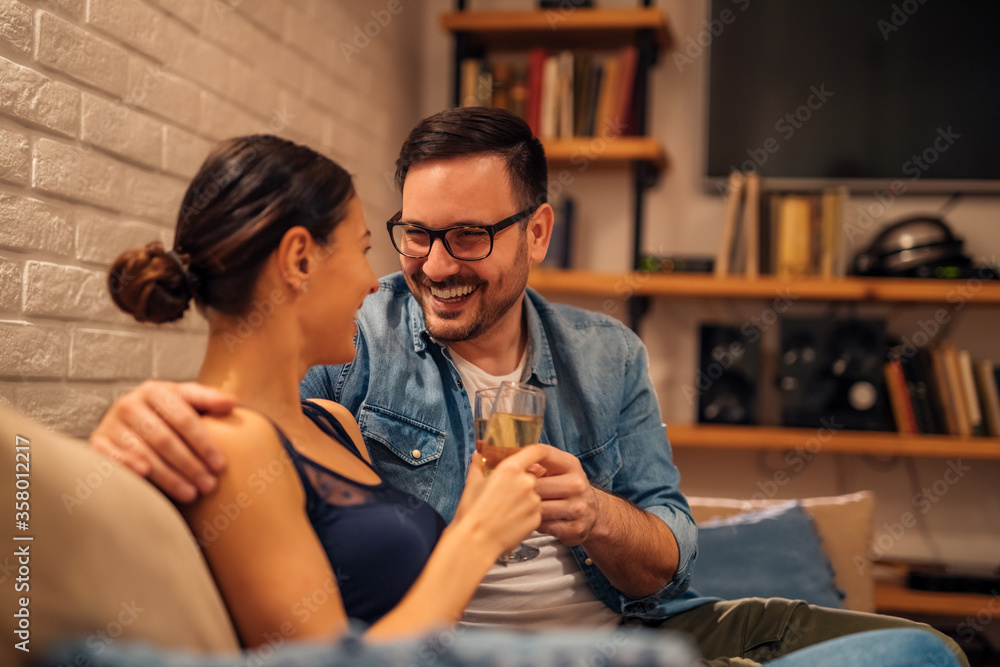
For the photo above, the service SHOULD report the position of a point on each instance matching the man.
(617, 540)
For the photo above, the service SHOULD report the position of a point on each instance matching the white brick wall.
(107, 109)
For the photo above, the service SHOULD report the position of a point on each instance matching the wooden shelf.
(709, 436)
(557, 28)
(584, 150)
(677, 286)
(893, 597)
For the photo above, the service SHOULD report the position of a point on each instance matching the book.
(794, 242)
(470, 80)
(502, 79)
(590, 107)
(899, 399)
(955, 387)
(919, 385)
(566, 85)
(533, 107)
(970, 393)
(518, 90)
(628, 59)
(833, 202)
(559, 255)
(751, 225)
(986, 381)
(944, 391)
(583, 67)
(604, 121)
(727, 239)
(548, 119)
(767, 232)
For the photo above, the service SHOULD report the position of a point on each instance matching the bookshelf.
(557, 28)
(893, 597)
(478, 32)
(711, 436)
(646, 28)
(621, 151)
(891, 594)
(689, 286)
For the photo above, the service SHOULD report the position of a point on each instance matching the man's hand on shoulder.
(155, 430)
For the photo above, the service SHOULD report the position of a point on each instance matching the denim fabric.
(415, 417)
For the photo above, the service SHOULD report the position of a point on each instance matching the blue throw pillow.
(774, 552)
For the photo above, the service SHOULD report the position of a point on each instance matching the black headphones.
(911, 247)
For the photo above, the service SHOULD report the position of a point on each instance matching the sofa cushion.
(774, 552)
(111, 558)
(844, 523)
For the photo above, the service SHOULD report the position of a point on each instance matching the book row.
(562, 94)
(784, 234)
(943, 390)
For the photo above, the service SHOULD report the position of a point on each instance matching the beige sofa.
(111, 559)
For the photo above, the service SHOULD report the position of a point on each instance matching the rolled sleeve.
(649, 479)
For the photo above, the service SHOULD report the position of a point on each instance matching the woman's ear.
(540, 232)
(293, 256)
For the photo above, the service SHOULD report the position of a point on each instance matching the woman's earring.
(305, 286)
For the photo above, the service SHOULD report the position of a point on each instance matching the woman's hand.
(503, 507)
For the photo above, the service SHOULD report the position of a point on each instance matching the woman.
(271, 243)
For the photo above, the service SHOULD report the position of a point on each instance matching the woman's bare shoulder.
(243, 432)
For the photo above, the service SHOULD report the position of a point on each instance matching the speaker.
(729, 365)
(831, 373)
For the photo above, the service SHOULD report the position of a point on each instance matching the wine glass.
(507, 418)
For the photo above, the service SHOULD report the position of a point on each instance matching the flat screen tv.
(855, 92)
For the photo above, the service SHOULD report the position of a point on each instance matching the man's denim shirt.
(600, 405)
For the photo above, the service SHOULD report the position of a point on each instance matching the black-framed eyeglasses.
(464, 242)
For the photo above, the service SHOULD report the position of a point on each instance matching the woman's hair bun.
(150, 284)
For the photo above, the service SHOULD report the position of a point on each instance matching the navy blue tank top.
(376, 537)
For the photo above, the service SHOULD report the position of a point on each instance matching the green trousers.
(753, 631)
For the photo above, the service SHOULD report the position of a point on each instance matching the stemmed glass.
(507, 418)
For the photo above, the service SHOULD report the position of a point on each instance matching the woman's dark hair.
(247, 194)
(480, 131)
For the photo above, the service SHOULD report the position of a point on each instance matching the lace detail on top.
(376, 537)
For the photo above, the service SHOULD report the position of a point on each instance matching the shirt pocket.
(404, 452)
(602, 463)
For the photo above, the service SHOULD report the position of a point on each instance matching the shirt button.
(416, 453)
(588, 561)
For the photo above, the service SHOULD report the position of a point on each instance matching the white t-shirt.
(549, 591)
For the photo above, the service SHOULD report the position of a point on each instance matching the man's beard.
(495, 300)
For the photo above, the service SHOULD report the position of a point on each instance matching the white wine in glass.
(507, 418)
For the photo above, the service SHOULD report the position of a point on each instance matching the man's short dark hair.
(466, 131)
